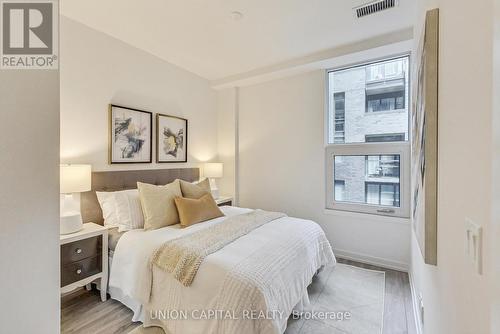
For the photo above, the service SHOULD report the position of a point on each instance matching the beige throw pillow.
(158, 204)
(195, 190)
(193, 211)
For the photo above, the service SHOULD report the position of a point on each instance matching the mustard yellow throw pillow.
(195, 190)
(158, 204)
(193, 211)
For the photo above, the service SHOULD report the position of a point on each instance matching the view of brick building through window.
(369, 104)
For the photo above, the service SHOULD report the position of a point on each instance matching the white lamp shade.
(213, 170)
(75, 178)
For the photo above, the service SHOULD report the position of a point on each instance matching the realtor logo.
(29, 39)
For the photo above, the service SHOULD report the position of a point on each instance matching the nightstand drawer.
(76, 271)
(79, 250)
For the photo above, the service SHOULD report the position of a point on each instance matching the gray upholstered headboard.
(121, 180)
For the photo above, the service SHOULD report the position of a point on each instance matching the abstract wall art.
(130, 135)
(171, 138)
(425, 139)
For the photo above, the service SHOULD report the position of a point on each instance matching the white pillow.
(108, 207)
(121, 209)
(129, 210)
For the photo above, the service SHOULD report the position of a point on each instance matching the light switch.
(474, 244)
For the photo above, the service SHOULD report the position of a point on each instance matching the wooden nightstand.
(84, 258)
(224, 200)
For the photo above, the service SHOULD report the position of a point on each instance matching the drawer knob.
(78, 271)
(78, 251)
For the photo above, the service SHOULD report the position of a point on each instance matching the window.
(385, 70)
(382, 166)
(339, 99)
(385, 101)
(384, 194)
(386, 85)
(367, 152)
(385, 138)
(339, 190)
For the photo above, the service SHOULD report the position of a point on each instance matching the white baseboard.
(416, 306)
(373, 260)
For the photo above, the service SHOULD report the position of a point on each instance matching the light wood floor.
(83, 312)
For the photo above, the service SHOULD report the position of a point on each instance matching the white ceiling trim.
(373, 48)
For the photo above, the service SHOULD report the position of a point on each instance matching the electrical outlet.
(474, 244)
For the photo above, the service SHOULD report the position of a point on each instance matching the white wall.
(29, 201)
(282, 167)
(456, 299)
(225, 139)
(97, 69)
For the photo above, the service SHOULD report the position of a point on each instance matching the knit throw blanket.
(183, 256)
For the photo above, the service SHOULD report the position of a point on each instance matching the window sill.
(369, 216)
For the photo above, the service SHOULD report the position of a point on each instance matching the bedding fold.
(183, 256)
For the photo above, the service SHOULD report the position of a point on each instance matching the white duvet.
(278, 260)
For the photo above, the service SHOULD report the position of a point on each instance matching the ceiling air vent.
(374, 7)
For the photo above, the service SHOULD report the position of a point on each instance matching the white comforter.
(199, 308)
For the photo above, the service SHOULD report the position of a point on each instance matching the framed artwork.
(130, 135)
(425, 139)
(171, 138)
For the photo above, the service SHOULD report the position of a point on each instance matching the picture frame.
(130, 135)
(171, 139)
(425, 139)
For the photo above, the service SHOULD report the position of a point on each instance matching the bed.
(250, 286)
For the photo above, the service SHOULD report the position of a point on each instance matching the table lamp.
(74, 179)
(213, 170)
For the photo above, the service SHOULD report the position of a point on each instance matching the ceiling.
(201, 36)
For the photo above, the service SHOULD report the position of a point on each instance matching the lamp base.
(71, 223)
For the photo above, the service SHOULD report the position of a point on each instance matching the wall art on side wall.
(425, 139)
(171, 138)
(130, 135)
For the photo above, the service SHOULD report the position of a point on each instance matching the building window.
(384, 194)
(367, 150)
(339, 102)
(339, 190)
(385, 101)
(382, 166)
(385, 138)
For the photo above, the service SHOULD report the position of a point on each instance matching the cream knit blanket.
(183, 256)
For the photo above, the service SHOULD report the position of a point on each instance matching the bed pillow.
(129, 210)
(195, 190)
(121, 209)
(193, 211)
(108, 206)
(158, 204)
